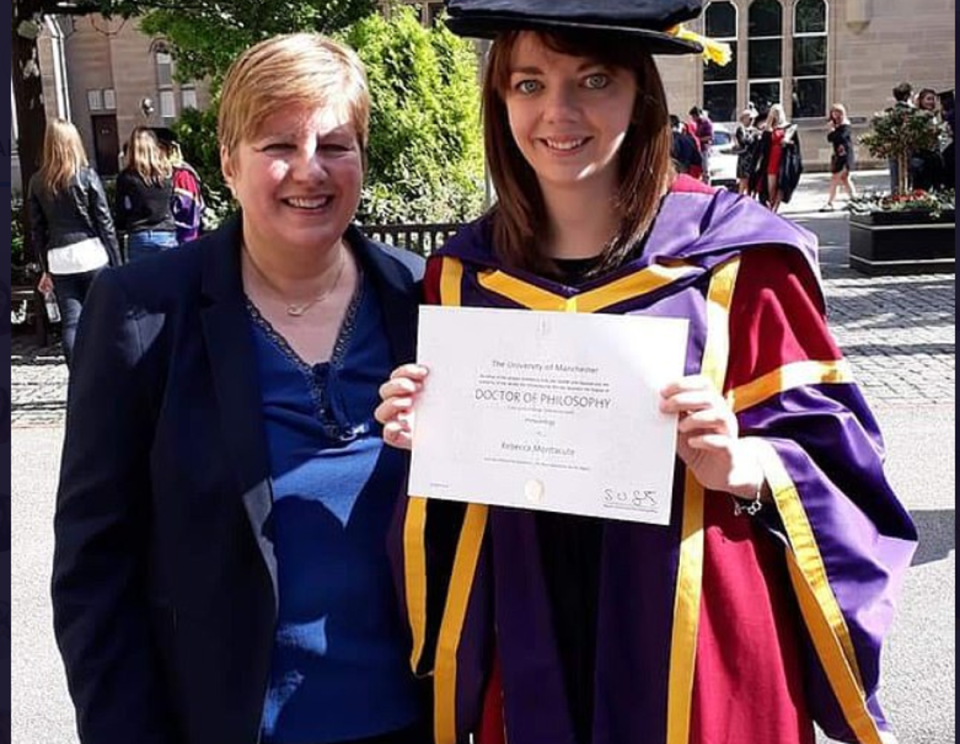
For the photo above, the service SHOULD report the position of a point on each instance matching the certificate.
(548, 410)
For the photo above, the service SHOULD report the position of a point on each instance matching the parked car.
(723, 157)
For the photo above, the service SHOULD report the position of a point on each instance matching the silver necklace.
(297, 309)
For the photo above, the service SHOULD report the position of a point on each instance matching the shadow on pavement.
(937, 530)
(879, 305)
(25, 352)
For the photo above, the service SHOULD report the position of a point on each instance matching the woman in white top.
(70, 224)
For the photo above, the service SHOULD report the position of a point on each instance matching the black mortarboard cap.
(164, 135)
(650, 22)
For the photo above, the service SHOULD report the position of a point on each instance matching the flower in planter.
(933, 203)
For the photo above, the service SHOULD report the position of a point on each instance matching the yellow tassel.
(713, 51)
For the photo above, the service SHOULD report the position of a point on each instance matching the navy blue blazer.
(164, 582)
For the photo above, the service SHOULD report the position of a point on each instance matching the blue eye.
(526, 87)
(596, 81)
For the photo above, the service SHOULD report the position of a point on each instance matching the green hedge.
(425, 155)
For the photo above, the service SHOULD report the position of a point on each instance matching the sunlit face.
(568, 115)
(297, 179)
(928, 101)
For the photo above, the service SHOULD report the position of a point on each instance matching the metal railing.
(423, 238)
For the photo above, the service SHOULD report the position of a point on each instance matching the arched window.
(720, 83)
(765, 53)
(810, 59)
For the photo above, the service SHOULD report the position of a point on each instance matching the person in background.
(761, 607)
(926, 166)
(746, 139)
(842, 161)
(220, 569)
(927, 100)
(144, 194)
(685, 150)
(703, 130)
(902, 95)
(187, 203)
(71, 228)
(778, 167)
(948, 107)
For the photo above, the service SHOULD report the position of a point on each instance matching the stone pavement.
(897, 332)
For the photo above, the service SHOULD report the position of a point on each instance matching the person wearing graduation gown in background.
(761, 608)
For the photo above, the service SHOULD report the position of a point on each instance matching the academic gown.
(718, 627)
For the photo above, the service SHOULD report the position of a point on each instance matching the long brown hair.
(645, 168)
(63, 155)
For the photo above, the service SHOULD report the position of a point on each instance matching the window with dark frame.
(168, 103)
(720, 83)
(432, 12)
(765, 53)
(810, 59)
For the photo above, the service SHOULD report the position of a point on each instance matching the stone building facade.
(119, 79)
(806, 54)
(107, 77)
(809, 54)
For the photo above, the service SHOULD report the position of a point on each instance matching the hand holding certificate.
(553, 411)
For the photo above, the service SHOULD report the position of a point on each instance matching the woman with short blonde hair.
(309, 69)
(71, 226)
(237, 567)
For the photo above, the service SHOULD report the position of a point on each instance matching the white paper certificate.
(548, 410)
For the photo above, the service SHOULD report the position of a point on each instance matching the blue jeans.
(71, 292)
(145, 243)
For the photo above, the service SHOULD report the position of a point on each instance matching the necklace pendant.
(296, 311)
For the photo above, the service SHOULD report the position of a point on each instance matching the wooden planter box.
(902, 243)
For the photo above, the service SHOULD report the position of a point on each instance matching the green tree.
(210, 32)
(898, 132)
(426, 160)
(426, 156)
(209, 35)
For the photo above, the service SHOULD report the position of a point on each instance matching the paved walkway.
(897, 332)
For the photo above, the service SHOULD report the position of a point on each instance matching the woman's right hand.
(45, 285)
(396, 412)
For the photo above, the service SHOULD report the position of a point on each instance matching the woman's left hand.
(708, 439)
(45, 285)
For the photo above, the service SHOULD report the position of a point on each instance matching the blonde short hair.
(303, 69)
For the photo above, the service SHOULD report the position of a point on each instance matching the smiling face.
(927, 100)
(297, 179)
(568, 115)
